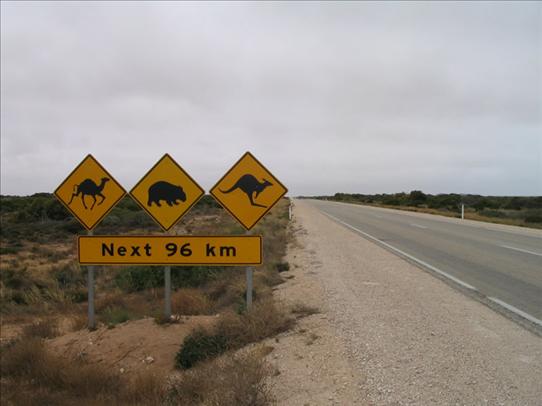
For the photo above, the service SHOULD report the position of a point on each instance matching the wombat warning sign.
(166, 192)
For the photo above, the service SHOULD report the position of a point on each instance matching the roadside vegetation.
(43, 295)
(525, 211)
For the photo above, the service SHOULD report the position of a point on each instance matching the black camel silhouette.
(88, 187)
(250, 185)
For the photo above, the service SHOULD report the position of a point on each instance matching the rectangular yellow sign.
(170, 250)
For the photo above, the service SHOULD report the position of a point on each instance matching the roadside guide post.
(248, 191)
(462, 211)
(89, 179)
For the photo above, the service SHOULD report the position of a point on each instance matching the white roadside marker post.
(290, 210)
(462, 212)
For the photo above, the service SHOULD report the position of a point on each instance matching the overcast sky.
(331, 97)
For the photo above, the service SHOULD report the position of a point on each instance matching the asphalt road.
(502, 263)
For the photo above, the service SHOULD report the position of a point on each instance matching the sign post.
(167, 294)
(248, 191)
(89, 180)
(90, 287)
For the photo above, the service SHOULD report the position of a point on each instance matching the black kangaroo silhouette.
(88, 187)
(250, 185)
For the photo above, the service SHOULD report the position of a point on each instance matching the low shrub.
(137, 278)
(283, 267)
(198, 346)
(115, 315)
(233, 331)
(533, 219)
(189, 301)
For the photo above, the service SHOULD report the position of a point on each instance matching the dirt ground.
(132, 346)
(391, 334)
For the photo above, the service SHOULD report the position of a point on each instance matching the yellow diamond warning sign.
(248, 190)
(166, 192)
(89, 192)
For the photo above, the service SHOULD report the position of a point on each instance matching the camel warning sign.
(248, 190)
(89, 192)
(166, 192)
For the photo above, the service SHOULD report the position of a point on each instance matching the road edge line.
(515, 310)
(402, 253)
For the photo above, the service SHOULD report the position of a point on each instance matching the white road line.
(516, 310)
(419, 261)
(511, 308)
(417, 225)
(522, 250)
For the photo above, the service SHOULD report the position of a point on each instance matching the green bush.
(199, 346)
(136, 278)
(493, 213)
(115, 315)
(69, 275)
(283, 267)
(533, 219)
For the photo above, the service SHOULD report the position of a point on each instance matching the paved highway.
(502, 263)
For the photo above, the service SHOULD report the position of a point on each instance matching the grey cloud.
(354, 97)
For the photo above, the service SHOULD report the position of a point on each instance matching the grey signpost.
(249, 274)
(167, 294)
(90, 282)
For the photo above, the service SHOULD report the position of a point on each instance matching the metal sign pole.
(90, 285)
(249, 273)
(167, 289)
(167, 295)
(249, 287)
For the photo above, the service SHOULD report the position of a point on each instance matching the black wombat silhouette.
(250, 185)
(88, 187)
(163, 190)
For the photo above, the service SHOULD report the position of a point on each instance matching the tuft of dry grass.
(188, 301)
(228, 380)
(46, 328)
(265, 319)
(302, 310)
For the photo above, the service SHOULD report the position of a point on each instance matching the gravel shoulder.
(389, 333)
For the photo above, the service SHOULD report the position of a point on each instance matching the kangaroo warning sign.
(166, 192)
(248, 190)
(89, 192)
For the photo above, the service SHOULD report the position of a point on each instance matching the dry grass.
(303, 310)
(46, 328)
(190, 302)
(31, 375)
(228, 380)
(264, 320)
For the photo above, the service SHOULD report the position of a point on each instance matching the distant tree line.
(528, 208)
